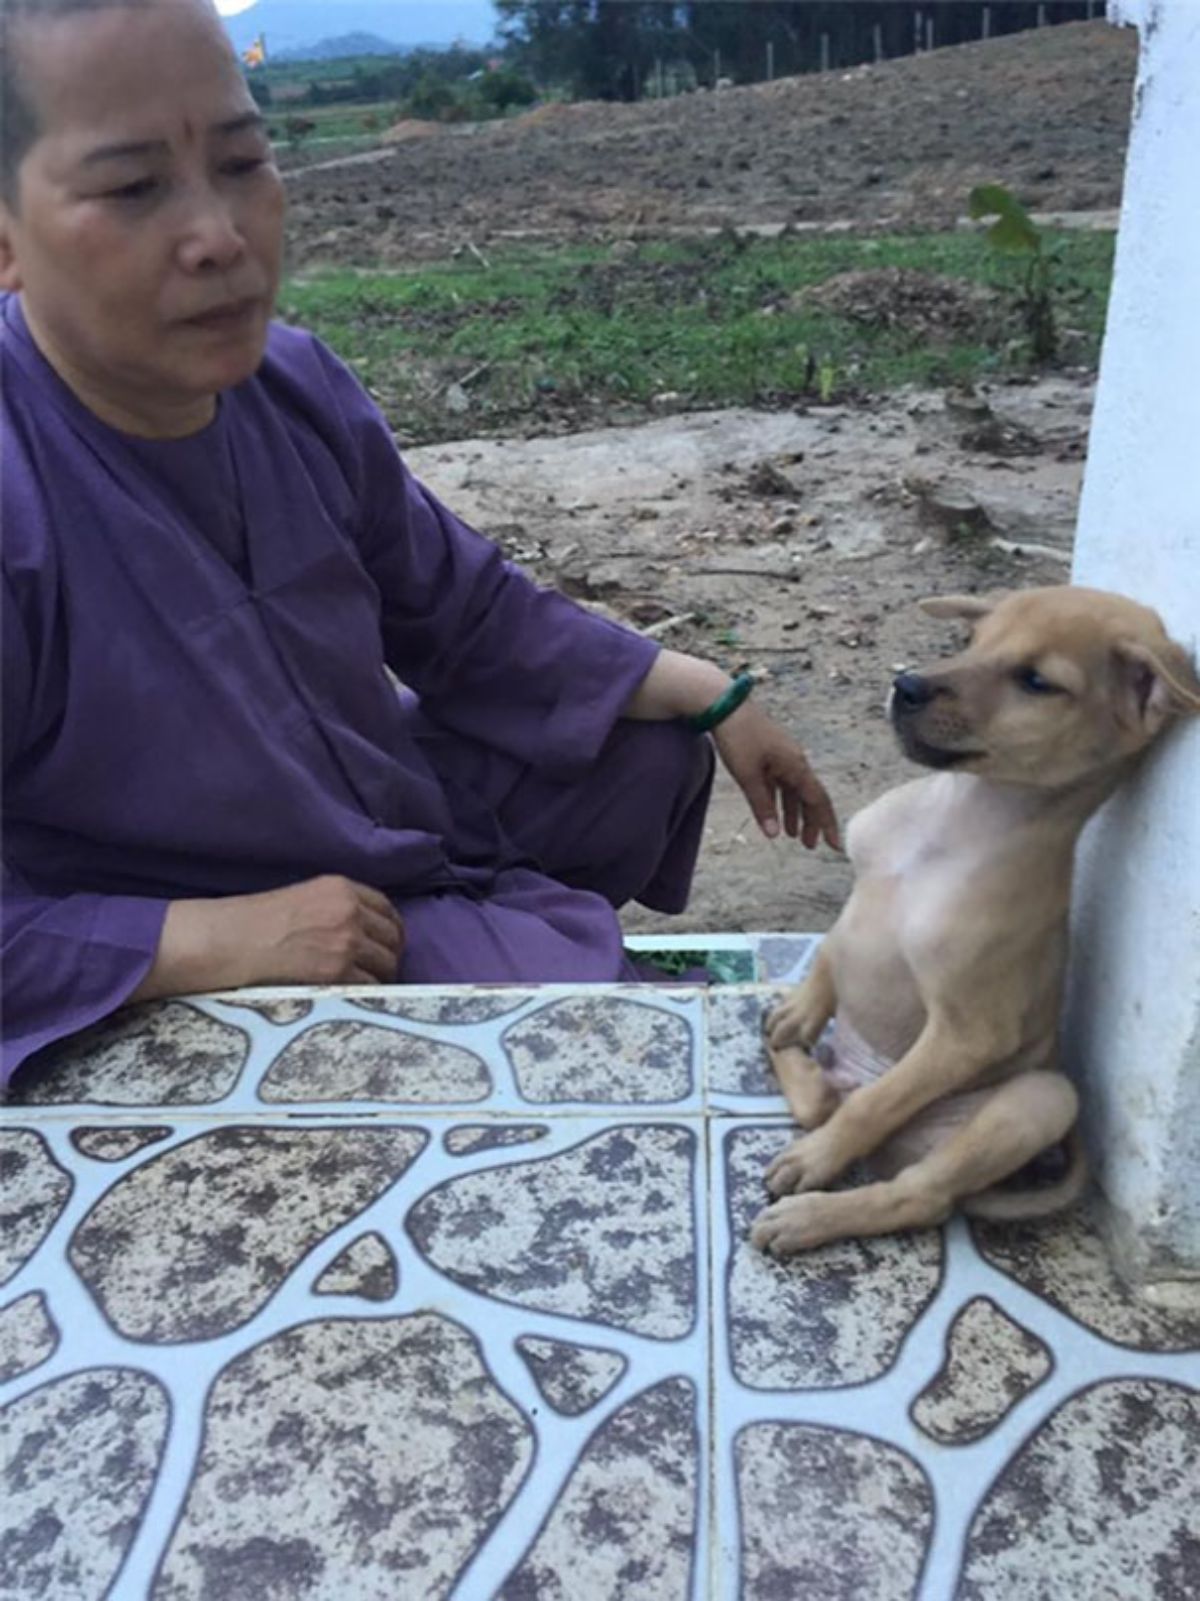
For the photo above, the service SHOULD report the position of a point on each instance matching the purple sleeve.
(68, 961)
(491, 655)
(65, 961)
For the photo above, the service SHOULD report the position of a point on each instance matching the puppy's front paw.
(809, 1163)
(793, 1022)
(798, 1223)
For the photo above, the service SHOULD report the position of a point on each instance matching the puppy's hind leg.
(1019, 1120)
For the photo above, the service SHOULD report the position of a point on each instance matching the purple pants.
(627, 829)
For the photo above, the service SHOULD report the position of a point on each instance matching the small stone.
(572, 1378)
(991, 1363)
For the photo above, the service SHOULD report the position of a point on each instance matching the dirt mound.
(899, 144)
(926, 304)
(407, 128)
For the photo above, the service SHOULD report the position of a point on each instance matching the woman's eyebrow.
(152, 147)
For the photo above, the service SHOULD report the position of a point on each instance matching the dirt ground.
(799, 542)
(894, 145)
(795, 540)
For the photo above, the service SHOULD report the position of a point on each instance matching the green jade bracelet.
(738, 692)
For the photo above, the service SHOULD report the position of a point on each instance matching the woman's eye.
(1032, 682)
(244, 166)
(139, 189)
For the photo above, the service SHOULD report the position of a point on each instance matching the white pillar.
(1133, 1022)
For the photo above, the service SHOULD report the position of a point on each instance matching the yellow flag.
(256, 54)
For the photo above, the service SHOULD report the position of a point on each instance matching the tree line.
(626, 49)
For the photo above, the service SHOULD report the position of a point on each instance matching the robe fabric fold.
(201, 642)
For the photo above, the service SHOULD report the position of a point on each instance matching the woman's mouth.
(234, 314)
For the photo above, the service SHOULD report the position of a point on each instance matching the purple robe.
(196, 637)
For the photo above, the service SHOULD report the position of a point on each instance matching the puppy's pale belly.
(876, 991)
(918, 856)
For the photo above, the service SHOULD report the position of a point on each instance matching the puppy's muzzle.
(910, 694)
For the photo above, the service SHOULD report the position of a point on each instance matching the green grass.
(362, 123)
(575, 335)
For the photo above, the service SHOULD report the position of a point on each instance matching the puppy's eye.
(1032, 682)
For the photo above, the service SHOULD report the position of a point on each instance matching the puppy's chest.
(898, 842)
(909, 868)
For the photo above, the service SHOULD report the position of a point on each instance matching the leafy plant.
(1014, 234)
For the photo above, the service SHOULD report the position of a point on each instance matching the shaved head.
(19, 121)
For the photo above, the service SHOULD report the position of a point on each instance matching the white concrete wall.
(1133, 1021)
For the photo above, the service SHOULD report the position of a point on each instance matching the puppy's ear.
(969, 607)
(1152, 684)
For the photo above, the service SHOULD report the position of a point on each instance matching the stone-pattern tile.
(366, 1267)
(572, 1378)
(163, 1053)
(1063, 1260)
(1110, 1486)
(739, 1074)
(363, 1062)
(625, 1524)
(80, 1456)
(113, 1143)
(194, 1241)
(785, 958)
(609, 1048)
(33, 1191)
(834, 1317)
(829, 1513)
(399, 1341)
(603, 1231)
(991, 1364)
(27, 1335)
(477, 1007)
(467, 1140)
(342, 1455)
(609, 1045)
(279, 1011)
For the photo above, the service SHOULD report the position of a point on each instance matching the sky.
(301, 22)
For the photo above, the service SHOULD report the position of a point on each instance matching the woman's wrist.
(678, 686)
(726, 704)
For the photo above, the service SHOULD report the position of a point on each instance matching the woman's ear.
(10, 273)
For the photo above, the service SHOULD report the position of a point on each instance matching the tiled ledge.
(447, 1293)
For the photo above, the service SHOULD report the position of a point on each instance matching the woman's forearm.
(676, 686)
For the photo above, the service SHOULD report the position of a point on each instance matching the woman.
(215, 561)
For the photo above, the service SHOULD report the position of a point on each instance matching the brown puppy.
(944, 972)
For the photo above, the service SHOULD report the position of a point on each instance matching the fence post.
(987, 22)
(770, 60)
(918, 32)
(824, 52)
(878, 43)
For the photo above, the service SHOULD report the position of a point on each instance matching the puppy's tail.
(1011, 1206)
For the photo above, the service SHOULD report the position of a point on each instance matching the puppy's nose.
(912, 691)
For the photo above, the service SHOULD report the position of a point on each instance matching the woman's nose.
(211, 236)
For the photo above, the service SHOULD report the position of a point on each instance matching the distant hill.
(343, 46)
(295, 26)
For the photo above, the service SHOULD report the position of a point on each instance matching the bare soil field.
(798, 542)
(801, 539)
(898, 145)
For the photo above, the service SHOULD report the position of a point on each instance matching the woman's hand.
(327, 930)
(772, 770)
(769, 766)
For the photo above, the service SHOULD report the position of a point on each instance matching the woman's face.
(147, 227)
